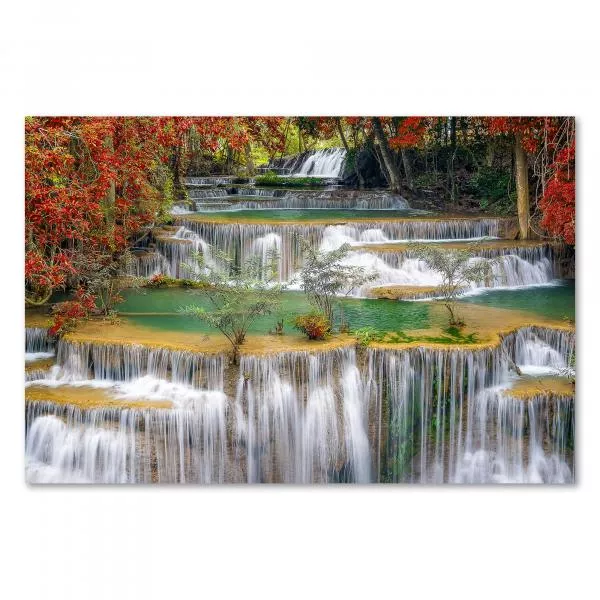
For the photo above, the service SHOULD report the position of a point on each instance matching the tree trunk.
(408, 170)
(249, 161)
(522, 181)
(109, 200)
(450, 166)
(453, 132)
(359, 177)
(388, 160)
(229, 161)
(489, 154)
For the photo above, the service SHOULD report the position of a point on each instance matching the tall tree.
(393, 174)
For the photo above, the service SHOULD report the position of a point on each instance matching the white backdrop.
(309, 57)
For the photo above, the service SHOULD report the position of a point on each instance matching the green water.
(556, 302)
(384, 315)
(306, 214)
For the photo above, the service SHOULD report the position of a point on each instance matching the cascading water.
(447, 416)
(238, 239)
(206, 181)
(38, 344)
(148, 264)
(511, 267)
(414, 415)
(328, 163)
(323, 163)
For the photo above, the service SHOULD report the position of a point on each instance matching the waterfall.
(238, 239)
(311, 199)
(506, 440)
(406, 415)
(452, 419)
(148, 264)
(512, 267)
(87, 361)
(539, 351)
(327, 163)
(38, 344)
(294, 428)
(200, 195)
(206, 181)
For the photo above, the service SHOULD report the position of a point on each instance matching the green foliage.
(494, 189)
(316, 326)
(366, 335)
(239, 294)
(458, 269)
(159, 281)
(427, 180)
(273, 180)
(453, 335)
(324, 276)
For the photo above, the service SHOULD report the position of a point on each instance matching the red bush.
(316, 326)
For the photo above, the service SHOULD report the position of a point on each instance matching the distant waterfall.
(311, 199)
(407, 415)
(328, 163)
(323, 163)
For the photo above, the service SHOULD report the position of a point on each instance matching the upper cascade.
(328, 163)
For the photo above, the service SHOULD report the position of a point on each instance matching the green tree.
(458, 269)
(325, 276)
(238, 294)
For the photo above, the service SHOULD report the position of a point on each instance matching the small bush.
(159, 280)
(315, 326)
(366, 335)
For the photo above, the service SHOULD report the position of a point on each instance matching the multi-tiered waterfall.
(407, 415)
(373, 242)
(127, 412)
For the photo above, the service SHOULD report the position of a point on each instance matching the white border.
(68, 57)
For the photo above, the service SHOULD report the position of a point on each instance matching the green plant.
(238, 294)
(159, 280)
(366, 335)
(315, 326)
(458, 270)
(325, 276)
(272, 179)
(494, 189)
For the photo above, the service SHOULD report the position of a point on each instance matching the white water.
(327, 163)
(299, 417)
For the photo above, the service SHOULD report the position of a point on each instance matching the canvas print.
(300, 300)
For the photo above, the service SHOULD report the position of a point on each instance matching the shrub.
(366, 335)
(158, 280)
(314, 325)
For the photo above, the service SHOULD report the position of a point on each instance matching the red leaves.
(410, 133)
(558, 200)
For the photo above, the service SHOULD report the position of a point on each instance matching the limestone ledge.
(87, 397)
(487, 325)
(528, 388)
(236, 219)
(502, 244)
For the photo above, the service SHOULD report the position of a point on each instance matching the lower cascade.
(345, 415)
